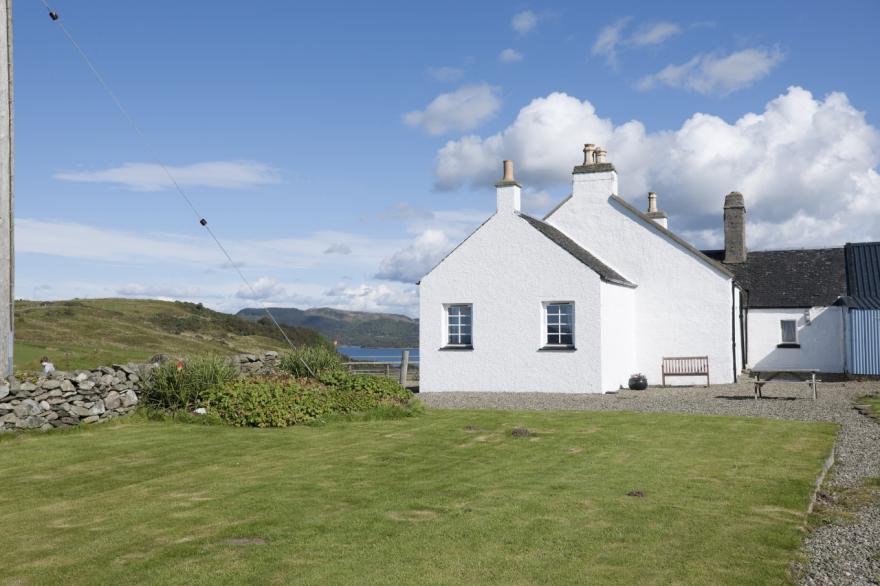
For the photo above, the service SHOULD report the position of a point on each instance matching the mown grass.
(447, 497)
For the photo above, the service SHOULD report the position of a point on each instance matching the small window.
(789, 331)
(459, 327)
(559, 319)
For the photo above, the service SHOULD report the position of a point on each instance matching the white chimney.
(658, 216)
(596, 177)
(507, 191)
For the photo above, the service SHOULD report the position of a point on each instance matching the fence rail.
(405, 370)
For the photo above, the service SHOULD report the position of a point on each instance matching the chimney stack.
(596, 177)
(659, 217)
(508, 193)
(734, 228)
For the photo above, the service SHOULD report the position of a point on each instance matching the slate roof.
(863, 274)
(790, 278)
(605, 272)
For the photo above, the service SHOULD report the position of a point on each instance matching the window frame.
(448, 344)
(546, 344)
(783, 343)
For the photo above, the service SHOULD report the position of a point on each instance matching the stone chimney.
(508, 193)
(659, 217)
(595, 177)
(734, 228)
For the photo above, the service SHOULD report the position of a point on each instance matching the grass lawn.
(419, 500)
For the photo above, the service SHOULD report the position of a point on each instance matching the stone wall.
(89, 396)
(69, 398)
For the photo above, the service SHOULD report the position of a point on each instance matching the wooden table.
(803, 374)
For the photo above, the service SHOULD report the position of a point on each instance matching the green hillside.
(92, 332)
(350, 328)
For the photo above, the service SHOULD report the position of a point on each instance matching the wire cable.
(53, 15)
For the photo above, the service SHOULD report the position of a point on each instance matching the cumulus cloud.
(510, 56)
(716, 74)
(524, 22)
(807, 166)
(464, 109)
(412, 262)
(445, 73)
(152, 177)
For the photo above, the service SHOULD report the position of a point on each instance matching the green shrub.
(167, 387)
(321, 360)
(284, 401)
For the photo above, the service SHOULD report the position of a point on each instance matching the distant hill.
(350, 328)
(93, 332)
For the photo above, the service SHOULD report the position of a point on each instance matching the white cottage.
(576, 302)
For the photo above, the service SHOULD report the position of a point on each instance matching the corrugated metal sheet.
(863, 273)
(864, 341)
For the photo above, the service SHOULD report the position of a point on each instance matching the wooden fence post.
(404, 366)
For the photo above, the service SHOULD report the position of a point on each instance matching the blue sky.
(340, 149)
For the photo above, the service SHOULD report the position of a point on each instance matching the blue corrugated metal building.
(863, 301)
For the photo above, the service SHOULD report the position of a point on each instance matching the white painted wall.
(618, 343)
(682, 305)
(822, 342)
(506, 269)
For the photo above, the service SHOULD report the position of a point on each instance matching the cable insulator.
(203, 222)
(53, 15)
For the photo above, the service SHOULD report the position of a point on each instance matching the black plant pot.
(638, 382)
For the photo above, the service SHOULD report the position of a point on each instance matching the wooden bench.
(685, 366)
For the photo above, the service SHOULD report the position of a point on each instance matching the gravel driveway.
(839, 553)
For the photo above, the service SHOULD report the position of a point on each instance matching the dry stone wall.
(64, 399)
(69, 398)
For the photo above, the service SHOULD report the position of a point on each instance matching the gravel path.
(840, 553)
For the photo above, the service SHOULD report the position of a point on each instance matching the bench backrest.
(686, 365)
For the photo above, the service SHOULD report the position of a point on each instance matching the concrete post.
(7, 253)
(404, 367)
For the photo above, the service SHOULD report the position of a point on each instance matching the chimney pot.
(508, 171)
(600, 155)
(589, 149)
(652, 202)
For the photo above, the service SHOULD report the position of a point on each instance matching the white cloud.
(536, 200)
(654, 33)
(152, 177)
(524, 22)
(445, 73)
(608, 39)
(716, 74)
(381, 297)
(807, 166)
(464, 109)
(510, 56)
(80, 241)
(261, 289)
(158, 291)
(411, 263)
(339, 248)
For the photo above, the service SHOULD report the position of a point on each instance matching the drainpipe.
(733, 325)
